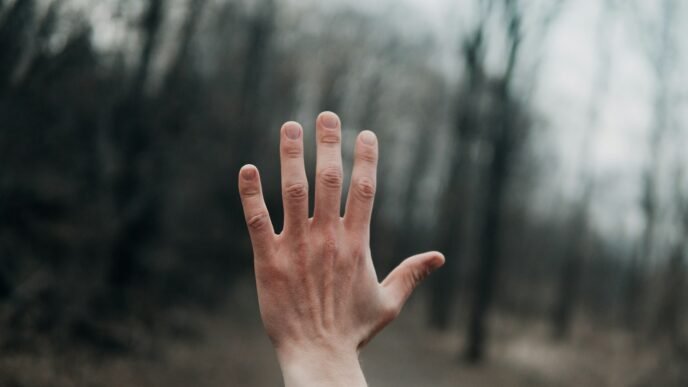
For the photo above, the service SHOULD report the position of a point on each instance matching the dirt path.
(228, 348)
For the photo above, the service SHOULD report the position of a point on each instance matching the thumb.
(400, 283)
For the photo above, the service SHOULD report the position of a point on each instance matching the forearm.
(306, 368)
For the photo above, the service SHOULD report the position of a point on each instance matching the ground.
(227, 347)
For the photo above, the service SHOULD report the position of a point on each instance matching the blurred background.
(540, 144)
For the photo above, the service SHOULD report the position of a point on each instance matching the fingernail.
(330, 120)
(368, 137)
(293, 130)
(248, 173)
(438, 261)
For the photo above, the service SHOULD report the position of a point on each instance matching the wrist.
(329, 366)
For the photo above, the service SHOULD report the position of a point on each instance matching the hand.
(319, 296)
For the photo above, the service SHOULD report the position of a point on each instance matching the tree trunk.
(489, 247)
(503, 139)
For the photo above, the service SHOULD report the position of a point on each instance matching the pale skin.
(319, 296)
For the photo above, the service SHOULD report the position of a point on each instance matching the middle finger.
(328, 178)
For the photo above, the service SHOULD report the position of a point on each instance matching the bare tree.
(579, 243)
(503, 140)
(455, 201)
(668, 321)
(660, 52)
(135, 198)
(260, 33)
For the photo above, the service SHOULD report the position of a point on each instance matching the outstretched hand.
(319, 296)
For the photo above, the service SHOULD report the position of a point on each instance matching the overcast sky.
(567, 88)
(568, 85)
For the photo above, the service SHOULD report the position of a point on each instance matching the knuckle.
(250, 190)
(327, 244)
(365, 188)
(390, 311)
(421, 273)
(358, 251)
(368, 155)
(258, 221)
(329, 247)
(333, 138)
(425, 273)
(301, 249)
(270, 272)
(296, 191)
(331, 177)
(412, 277)
(412, 280)
(292, 152)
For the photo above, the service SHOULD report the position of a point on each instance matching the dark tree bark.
(570, 277)
(661, 64)
(670, 313)
(251, 113)
(490, 240)
(186, 36)
(455, 201)
(570, 274)
(136, 201)
(503, 141)
(14, 35)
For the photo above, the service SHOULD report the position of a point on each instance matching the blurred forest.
(540, 144)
